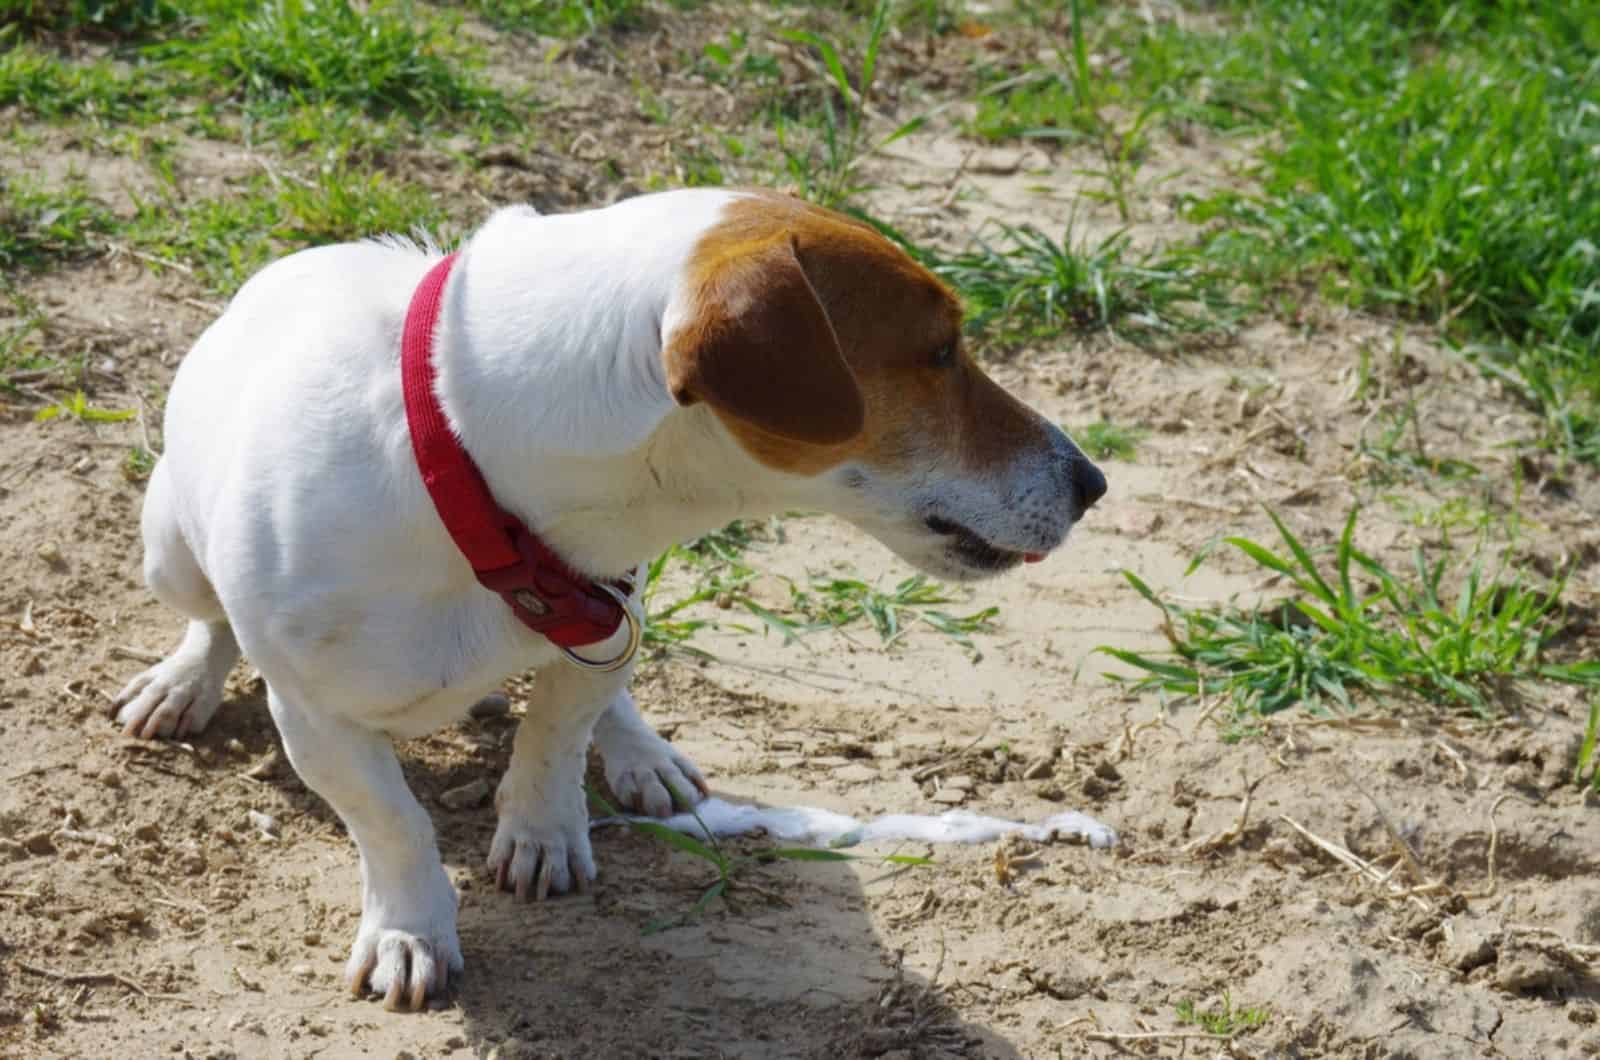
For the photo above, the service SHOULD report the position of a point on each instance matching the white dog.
(624, 379)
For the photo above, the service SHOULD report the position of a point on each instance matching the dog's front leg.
(541, 845)
(407, 945)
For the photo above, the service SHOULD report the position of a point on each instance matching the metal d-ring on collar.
(635, 635)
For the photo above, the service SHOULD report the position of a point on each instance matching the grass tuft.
(378, 58)
(1104, 440)
(225, 240)
(1587, 761)
(1225, 1021)
(40, 225)
(113, 19)
(1333, 639)
(1027, 287)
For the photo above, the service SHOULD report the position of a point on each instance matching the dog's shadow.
(786, 963)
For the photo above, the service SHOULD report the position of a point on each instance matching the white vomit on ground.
(816, 827)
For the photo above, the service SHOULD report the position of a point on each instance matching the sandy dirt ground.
(144, 910)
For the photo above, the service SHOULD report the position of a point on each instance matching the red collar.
(545, 594)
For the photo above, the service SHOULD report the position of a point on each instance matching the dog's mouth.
(975, 552)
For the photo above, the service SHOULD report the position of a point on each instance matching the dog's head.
(829, 355)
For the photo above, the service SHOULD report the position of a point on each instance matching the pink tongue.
(1033, 557)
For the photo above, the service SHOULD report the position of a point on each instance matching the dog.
(617, 380)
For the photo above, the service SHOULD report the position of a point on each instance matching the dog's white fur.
(287, 519)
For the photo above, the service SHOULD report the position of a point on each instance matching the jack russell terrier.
(356, 449)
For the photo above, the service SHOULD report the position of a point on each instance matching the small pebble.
(266, 824)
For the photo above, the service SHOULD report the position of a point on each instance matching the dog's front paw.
(649, 776)
(406, 947)
(537, 854)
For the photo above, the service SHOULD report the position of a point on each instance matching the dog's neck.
(548, 349)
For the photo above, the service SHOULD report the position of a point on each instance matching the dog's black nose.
(1088, 483)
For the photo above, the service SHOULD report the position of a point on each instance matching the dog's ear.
(759, 347)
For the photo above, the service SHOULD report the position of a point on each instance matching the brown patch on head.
(817, 341)
(760, 347)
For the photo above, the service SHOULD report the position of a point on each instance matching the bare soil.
(148, 909)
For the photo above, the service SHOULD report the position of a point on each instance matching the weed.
(77, 407)
(1331, 639)
(735, 62)
(1391, 442)
(19, 347)
(1226, 1021)
(825, 172)
(840, 602)
(1104, 440)
(723, 578)
(1586, 751)
(137, 464)
(40, 225)
(1033, 287)
(728, 866)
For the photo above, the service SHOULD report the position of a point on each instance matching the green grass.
(382, 58)
(1436, 160)
(43, 225)
(838, 603)
(825, 144)
(1104, 440)
(1450, 637)
(226, 239)
(1025, 287)
(77, 407)
(561, 18)
(48, 86)
(723, 576)
(89, 18)
(1587, 762)
(137, 464)
(20, 349)
(1428, 158)
(1226, 1021)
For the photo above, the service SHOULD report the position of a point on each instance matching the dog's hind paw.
(175, 698)
(648, 776)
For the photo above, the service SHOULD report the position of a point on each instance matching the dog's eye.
(946, 355)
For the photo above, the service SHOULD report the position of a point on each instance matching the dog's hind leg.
(645, 772)
(177, 696)
(406, 947)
